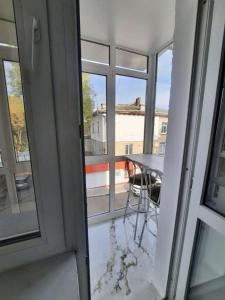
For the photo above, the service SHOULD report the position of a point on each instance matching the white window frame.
(110, 72)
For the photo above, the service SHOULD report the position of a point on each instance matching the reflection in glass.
(221, 167)
(94, 114)
(163, 84)
(16, 110)
(215, 194)
(4, 200)
(207, 280)
(25, 191)
(129, 115)
(131, 61)
(97, 185)
(94, 52)
(121, 184)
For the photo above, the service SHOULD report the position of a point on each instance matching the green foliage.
(88, 100)
(18, 125)
(16, 107)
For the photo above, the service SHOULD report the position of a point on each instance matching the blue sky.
(128, 88)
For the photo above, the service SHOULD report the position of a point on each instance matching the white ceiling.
(142, 25)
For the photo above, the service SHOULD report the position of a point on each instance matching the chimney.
(138, 102)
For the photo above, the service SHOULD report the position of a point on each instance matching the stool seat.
(136, 179)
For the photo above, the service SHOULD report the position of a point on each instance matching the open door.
(31, 223)
(202, 269)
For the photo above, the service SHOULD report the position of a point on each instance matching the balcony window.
(131, 61)
(162, 99)
(94, 52)
(94, 114)
(129, 114)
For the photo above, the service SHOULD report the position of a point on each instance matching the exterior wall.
(129, 128)
(137, 147)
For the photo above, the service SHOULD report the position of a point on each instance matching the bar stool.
(137, 186)
(153, 194)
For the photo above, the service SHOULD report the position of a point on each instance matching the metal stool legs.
(127, 204)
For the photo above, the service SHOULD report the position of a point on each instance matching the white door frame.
(197, 211)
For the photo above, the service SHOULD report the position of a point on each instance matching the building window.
(129, 149)
(162, 148)
(164, 128)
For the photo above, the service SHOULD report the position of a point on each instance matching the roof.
(130, 109)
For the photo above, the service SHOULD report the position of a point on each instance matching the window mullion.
(150, 105)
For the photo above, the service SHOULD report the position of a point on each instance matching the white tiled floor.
(119, 268)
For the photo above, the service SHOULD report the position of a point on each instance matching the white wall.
(97, 179)
(185, 21)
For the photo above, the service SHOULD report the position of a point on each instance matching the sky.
(128, 88)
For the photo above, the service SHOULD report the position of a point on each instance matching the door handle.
(35, 39)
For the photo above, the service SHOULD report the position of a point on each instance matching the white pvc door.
(202, 269)
(30, 198)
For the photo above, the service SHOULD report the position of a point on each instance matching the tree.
(88, 100)
(18, 123)
(16, 106)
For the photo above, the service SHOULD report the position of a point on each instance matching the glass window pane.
(207, 280)
(163, 84)
(94, 114)
(130, 115)
(17, 194)
(215, 193)
(131, 61)
(93, 52)
(97, 184)
(16, 110)
(122, 186)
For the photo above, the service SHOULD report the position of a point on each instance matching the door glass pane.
(18, 215)
(97, 185)
(163, 84)
(122, 186)
(131, 61)
(93, 52)
(129, 115)
(207, 280)
(215, 193)
(4, 197)
(16, 110)
(94, 114)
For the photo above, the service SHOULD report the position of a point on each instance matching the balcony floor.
(119, 269)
